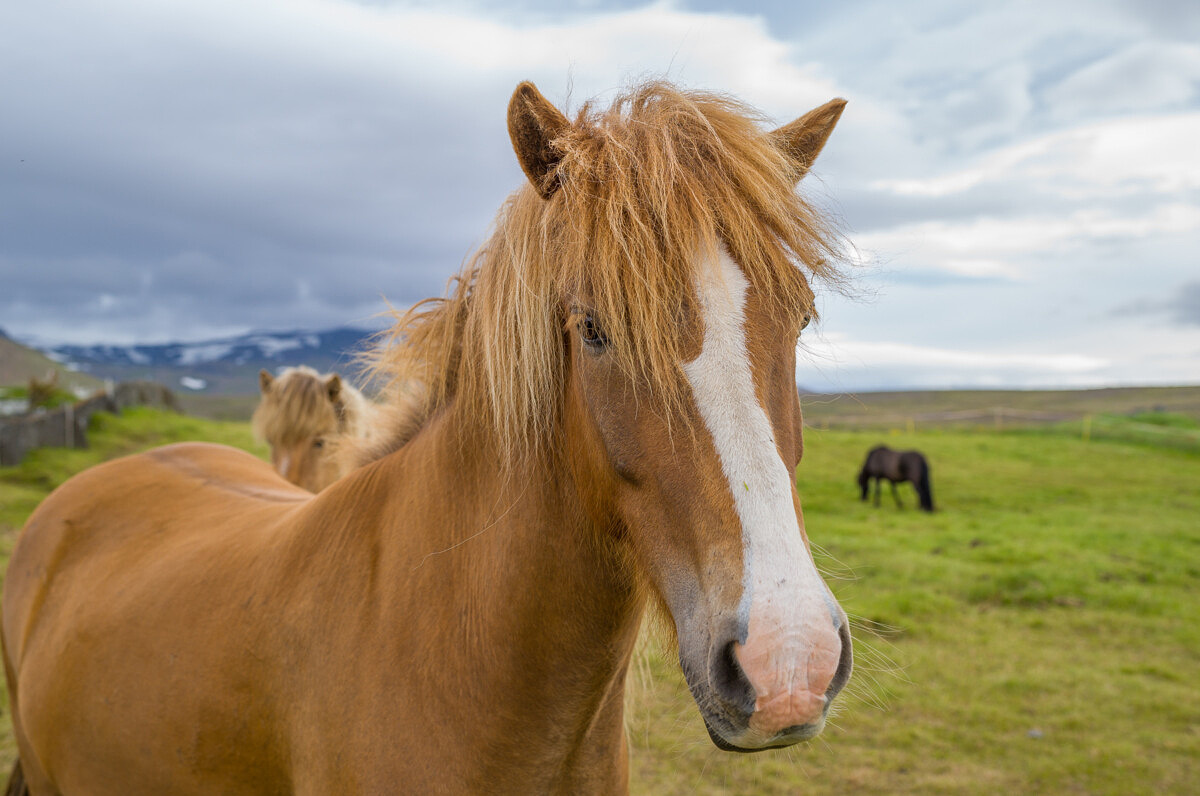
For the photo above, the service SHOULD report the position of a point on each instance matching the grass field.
(1036, 635)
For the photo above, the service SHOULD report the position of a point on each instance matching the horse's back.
(879, 462)
(912, 465)
(137, 503)
(111, 580)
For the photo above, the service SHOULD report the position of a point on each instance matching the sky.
(1020, 181)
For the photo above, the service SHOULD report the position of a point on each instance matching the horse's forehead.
(299, 415)
(722, 293)
(296, 381)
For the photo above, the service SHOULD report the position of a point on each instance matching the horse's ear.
(533, 124)
(803, 139)
(333, 386)
(265, 380)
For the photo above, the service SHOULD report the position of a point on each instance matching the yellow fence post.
(1087, 428)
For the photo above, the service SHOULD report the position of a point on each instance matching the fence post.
(69, 420)
(1087, 428)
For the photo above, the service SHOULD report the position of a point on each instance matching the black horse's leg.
(896, 495)
(878, 486)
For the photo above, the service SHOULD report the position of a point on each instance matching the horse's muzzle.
(739, 718)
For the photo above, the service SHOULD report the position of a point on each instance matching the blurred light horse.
(305, 417)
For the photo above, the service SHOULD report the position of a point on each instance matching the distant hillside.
(226, 366)
(19, 363)
(991, 407)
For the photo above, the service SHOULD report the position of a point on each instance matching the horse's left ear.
(265, 380)
(803, 139)
(533, 124)
(333, 386)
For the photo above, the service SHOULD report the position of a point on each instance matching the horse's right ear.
(265, 380)
(333, 386)
(533, 125)
(803, 139)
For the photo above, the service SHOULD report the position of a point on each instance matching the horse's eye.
(591, 332)
(804, 323)
(318, 443)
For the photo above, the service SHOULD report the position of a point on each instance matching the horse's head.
(299, 415)
(671, 227)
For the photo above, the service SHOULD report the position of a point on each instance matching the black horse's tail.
(924, 488)
(16, 782)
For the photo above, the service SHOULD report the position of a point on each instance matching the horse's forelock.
(297, 407)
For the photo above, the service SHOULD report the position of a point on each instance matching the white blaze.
(785, 604)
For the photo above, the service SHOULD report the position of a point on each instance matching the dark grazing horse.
(883, 462)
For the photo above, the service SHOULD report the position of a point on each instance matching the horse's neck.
(506, 587)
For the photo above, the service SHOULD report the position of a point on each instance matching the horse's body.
(458, 615)
(306, 418)
(342, 672)
(896, 466)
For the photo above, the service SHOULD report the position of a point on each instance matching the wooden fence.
(66, 426)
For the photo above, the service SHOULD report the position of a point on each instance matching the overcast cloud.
(1021, 179)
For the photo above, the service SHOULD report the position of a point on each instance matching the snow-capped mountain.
(223, 365)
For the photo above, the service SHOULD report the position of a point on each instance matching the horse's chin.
(747, 741)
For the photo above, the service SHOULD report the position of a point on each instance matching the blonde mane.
(298, 407)
(645, 189)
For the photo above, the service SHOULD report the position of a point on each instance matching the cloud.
(1009, 247)
(1143, 77)
(1140, 154)
(287, 163)
(1185, 306)
(194, 169)
(1182, 307)
(1074, 198)
(966, 366)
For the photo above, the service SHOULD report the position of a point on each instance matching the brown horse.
(303, 416)
(611, 417)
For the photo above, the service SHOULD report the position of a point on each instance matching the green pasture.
(1038, 634)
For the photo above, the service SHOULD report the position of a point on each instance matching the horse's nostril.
(729, 681)
(845, 662)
